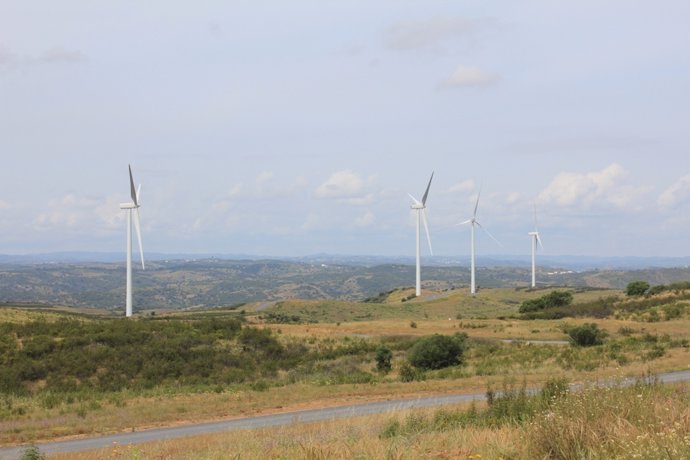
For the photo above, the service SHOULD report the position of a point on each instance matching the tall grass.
(645, 421)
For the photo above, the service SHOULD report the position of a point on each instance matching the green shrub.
(637, 288)
(438, 351)
(587, 335)
(553, 299)
(32, 453)
(408, 373)
(383, 359)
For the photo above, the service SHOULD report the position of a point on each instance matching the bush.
(551, 300)
(637, 288)
(383, 359)
(587, 335)
(408, 373)
(32, 453)
(438, 351)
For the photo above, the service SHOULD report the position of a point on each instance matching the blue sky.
(294, 128)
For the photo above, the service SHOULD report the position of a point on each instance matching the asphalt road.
(248, 423)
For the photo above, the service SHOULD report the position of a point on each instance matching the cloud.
(10, 61)
(365, 220)
(464, 186)
(468, 77)
(61, 55)
(597, 188)
(79, 213)
(264, 177)
(342, 184)
(430, 32)
(513, 198)
(676, 193)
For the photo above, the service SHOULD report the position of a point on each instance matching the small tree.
(587, 335)
(637, 288)
(438, 351)
(383, 359)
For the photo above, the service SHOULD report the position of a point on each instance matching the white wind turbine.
(420, 207)
(535, 239)
(133, 206)
(473, 221)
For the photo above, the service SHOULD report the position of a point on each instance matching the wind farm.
(287, 305)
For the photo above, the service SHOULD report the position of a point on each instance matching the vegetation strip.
(307, 416)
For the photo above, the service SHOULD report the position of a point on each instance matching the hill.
(179, 284)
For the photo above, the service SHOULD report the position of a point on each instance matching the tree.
(383, 359)
(637, 288)
(438, 351)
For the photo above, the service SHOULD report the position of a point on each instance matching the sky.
(279, 128)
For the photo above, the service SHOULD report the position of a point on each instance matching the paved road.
(537, 342)
(248, 423)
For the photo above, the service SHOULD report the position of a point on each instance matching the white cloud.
(264, 177)
(468, 76)
(464, 186)
(597, 188)
(365, 219)
(676, 193)
(513, 198)
(430, 32)
(342, 184)
(10, 61)
(61, 55)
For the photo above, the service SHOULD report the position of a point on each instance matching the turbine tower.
(420, 207)
(133, 206)
(473, 221)
(535, 239)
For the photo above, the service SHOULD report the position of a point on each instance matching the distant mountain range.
(177, 283)
(576, 263)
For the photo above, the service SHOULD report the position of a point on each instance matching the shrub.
(587, 335)
(551, 300)
(637, 288)
(383, 359)
(32, 453)
(438, 351)
(408, 373)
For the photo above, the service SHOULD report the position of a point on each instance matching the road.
(264, 421)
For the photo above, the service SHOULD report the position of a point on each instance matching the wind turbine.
(535, 239)
(420, 207)
(133, 206)
(473, 221)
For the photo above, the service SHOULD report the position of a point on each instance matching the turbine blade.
(476, 205)
(539, 241)
(426, 193)
(137, 225)
(416, 201)
(138, 194)
(468, 221)
(132, 190)
(426, 228)
(487, 232)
